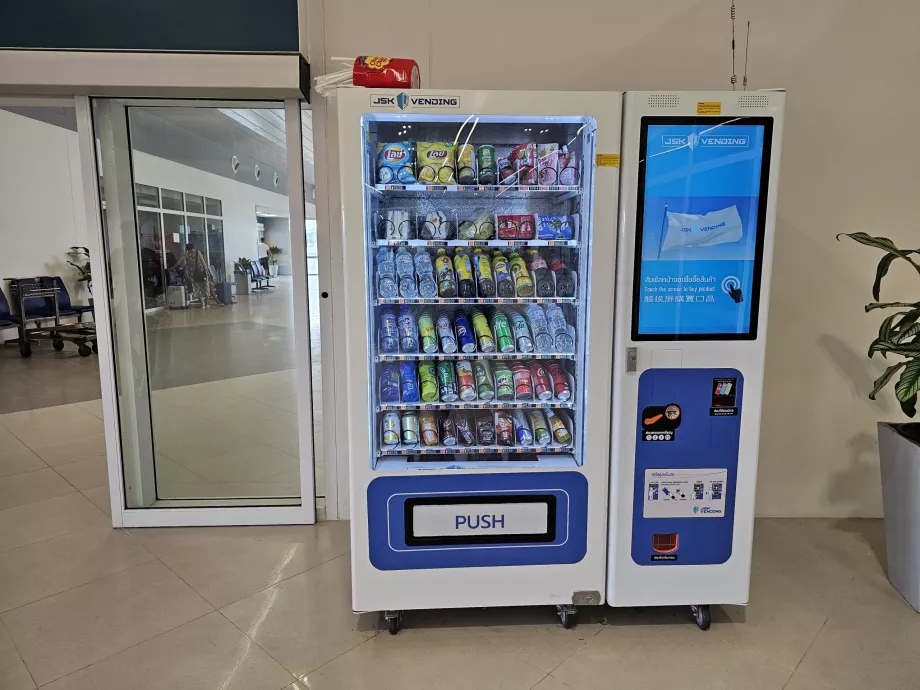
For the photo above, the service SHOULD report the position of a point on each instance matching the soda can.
(390, 431)
(483, 375)
(522, 429)
(521, 333)
(560, 381)
(483, 332)
(464, 429)
(410, 428)
(429, 425)
(485, 429)
(502, 330)
(447, 382)
(466, 382)
(537, 421)
(409, 381)
(428, 381)
(427, 337)
(408, 331)
(448, 431)
(558, 427)
(504, 382)
(388, 335)
(446, 334)
(504, 428)
(542, 387)
(523, 388)
(389, 383)
(487, 164)
(465, 335)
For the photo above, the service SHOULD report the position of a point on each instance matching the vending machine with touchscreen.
(697, 211)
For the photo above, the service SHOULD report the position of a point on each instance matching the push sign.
(470, 519)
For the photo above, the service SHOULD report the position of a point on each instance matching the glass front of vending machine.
(478, 260)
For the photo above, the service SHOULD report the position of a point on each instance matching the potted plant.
(273, 253)
(242, 277)
(899, 443)
(80, 256)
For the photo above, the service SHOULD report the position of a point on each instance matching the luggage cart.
(83, 334)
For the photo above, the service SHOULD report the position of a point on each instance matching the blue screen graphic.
(701, 202)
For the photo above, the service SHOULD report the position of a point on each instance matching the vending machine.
(479, 246)
(697, 219)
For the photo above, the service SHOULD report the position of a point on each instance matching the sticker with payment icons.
(659, 423)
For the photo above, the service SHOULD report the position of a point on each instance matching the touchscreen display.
(700, 224)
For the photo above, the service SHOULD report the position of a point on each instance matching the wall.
(278, 234)
(849, 164)
(41, 202)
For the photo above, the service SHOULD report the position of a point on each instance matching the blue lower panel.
(394, 540)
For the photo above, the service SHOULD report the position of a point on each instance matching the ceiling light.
(257, 171)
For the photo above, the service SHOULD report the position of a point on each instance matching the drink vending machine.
(479, 250)
(697, 215)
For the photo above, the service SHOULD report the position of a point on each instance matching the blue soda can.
(408, 330)
(409, 380)
(465, 335)
(389, 383)
(388, 335)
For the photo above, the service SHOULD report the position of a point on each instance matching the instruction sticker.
(607, 160)
(709, 107)
(684, 493)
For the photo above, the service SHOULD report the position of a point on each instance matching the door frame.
(216, 511)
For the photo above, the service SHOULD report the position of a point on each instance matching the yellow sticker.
(607, 160)
(709, 107)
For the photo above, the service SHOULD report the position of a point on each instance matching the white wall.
(849, 163)
(278, 234)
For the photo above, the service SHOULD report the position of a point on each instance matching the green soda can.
(484, 383)
(488, 166)
(428, 381)
(541, 435)
(427, 337)
(504, 382)
(447, 382)
(482, 331)
(502, 330)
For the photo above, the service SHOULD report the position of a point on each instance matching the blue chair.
(34, 308)
(6, 318)
(65, 307)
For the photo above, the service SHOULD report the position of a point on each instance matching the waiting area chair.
(7, 320)
(259, 277)
(65, 307)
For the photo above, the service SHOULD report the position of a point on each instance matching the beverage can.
(446, 334)
(410, 428)
(389, 383)
(448, 431)
(464, 271)
(522, 431)
(537, 421)
(466, 382)
(447, 381)
(444, 269)
(427, 337)
(408, 331)
(464, 429)
(523, 388)
(522, 282)
(504, 283)
(560, 381)
(483, 374)
(409, 381)
(542, 386)
(388, 334)
(485, 160)
(521, 332)
(502, 330)
(429, 426)
(390, 433)
(485, 428)
(465, 335)
(483, 332)
(504, 428)
(428, 381)
(558, 427)
(485, 283)
(504, 382)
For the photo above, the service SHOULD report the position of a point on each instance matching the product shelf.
(477, 405)
(457, 356)
(556, 192)
(419, 449)
(475, 300)
(534, 459)
(475, 243)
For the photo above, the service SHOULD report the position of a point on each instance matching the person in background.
(265, 254)
(197, 276)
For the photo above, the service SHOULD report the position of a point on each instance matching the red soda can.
(385, 73)
(560, 382)
(541, 383)
(504, 428)
(523, 388)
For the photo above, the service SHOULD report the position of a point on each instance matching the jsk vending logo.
(403, 100)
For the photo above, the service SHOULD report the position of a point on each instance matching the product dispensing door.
(697, 213)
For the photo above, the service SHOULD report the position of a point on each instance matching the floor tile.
(550, 683)
(53, 517)
(306, 621)
(19, 461)
(8, 442)
(85, 474)
(800, 682)
(94, 407)
(29, 487)
(100, 497)
(73, 450)
(207, 653)
(15, 677)
(57, 433)
(39, 570)
(227, 564)
(68, 631)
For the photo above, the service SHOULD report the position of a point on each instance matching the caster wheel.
(702, 616)
(95, 348)
(57, 345)
(568, 615)
(394, 621)
(25, 349)
(84, 350)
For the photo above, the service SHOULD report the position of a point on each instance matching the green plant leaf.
(884, 244)
(909, 332)
(909, 383)
(883, 380)
(882, 270)
(909, 407)
(889, 305)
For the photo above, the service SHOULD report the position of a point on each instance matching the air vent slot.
(753, 101)
(663, 100)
